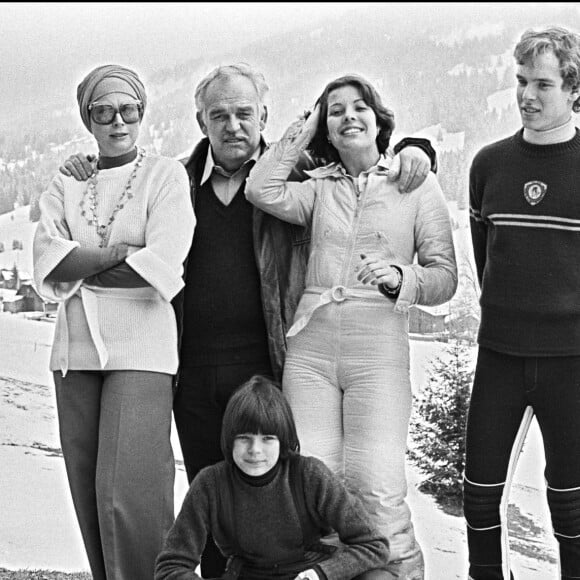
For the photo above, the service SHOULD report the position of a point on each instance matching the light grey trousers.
(115, 431)
(347, 379)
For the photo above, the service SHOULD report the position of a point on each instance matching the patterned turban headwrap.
(103, 80)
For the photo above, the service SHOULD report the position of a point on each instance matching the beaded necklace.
(90, 202)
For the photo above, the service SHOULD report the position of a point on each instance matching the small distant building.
(464, 325)
(428, 319)
(25, 299)
(31, 300)
(6, 278)
(7, 296)
(12, 303)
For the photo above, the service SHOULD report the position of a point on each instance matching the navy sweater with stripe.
(528, 253)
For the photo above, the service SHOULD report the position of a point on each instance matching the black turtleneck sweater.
(528, 254)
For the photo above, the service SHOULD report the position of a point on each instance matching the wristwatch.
(393, 292)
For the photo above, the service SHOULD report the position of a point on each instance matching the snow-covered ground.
(38, 527)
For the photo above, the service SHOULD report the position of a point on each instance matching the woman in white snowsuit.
(374, 253)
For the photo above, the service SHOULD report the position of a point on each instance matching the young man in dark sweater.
(525, 225)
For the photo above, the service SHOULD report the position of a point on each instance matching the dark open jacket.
(281, 251)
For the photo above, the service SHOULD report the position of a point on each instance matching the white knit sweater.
(118, 328)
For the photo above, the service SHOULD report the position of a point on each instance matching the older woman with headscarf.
(111, 252)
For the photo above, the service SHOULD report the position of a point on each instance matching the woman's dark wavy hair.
(320, 147)
(259, 406)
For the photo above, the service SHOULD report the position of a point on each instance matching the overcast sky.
(45, 44)
(46, 48)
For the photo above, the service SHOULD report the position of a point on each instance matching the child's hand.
(308, 575)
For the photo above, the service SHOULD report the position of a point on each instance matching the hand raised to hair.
(311, 122)
(79, 166)
(301, 131)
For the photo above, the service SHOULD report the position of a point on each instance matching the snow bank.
(39, 529)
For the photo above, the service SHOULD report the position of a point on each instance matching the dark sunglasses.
(104, 114)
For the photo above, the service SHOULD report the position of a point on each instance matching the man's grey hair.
(227, 71)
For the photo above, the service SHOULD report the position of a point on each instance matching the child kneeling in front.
(267, 507)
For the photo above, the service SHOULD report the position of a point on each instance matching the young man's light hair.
(563, 43)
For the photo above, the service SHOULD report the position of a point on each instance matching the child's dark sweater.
(528, 253)
(267, 524)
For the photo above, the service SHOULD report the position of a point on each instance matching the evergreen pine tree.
(437, 443)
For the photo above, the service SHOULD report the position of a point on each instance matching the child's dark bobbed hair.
(258, 406)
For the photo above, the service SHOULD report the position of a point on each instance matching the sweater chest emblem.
(535, 191)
